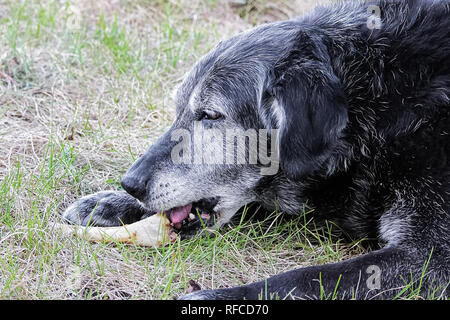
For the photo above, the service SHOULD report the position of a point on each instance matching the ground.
(85, 88)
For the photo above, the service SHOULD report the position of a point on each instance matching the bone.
(154, 231)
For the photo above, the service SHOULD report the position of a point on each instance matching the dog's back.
(397, 85)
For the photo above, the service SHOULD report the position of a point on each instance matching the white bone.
(154, 231)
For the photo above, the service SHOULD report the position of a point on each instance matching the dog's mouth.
(190, 218)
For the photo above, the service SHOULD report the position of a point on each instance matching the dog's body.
(364, 129)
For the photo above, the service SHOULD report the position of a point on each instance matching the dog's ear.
(310, 107)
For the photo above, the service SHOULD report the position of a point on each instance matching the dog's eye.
(210, 115)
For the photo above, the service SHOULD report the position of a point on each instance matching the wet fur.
(364, 120)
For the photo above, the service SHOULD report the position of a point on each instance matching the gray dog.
(354, 101)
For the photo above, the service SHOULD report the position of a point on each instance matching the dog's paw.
(104, 209)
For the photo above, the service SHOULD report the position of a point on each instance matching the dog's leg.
(106, 208)
(379, 274)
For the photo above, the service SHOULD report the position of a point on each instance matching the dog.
(354, 98)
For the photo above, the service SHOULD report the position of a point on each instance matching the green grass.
(84, 89)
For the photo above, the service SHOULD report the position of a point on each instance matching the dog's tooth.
(205, 216)
(191, 216)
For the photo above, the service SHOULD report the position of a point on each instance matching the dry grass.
(84, 89)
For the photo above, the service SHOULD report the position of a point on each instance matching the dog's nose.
(133, 186)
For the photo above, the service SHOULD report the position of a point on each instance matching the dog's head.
(273, 82)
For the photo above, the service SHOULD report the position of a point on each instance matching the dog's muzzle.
(189, 219)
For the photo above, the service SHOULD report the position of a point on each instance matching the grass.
(84, 89)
